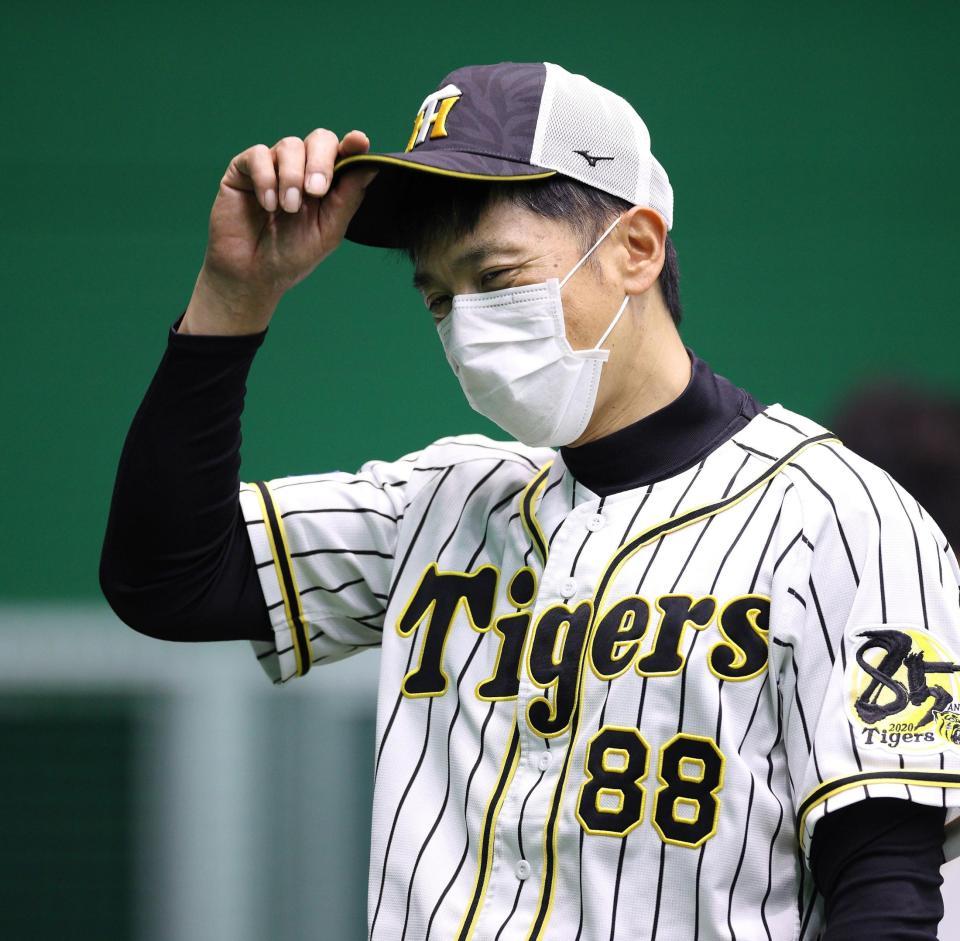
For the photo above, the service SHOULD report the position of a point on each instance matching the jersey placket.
(517, 874)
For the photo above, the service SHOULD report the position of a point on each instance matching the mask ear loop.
(571, 272)
(613, 323)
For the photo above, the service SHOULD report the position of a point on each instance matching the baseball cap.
(515, 121)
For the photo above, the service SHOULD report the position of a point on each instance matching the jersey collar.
(708, 412)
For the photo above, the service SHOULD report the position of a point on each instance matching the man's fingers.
(253, 169)
(290, 156)
(282, 175)
(321, 150)
(354, 142)
(348, 188)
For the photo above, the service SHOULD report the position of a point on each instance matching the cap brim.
(376, 221)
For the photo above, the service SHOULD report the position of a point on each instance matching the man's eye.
(439, 306)
(489, 276)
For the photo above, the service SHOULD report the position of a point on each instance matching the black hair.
(433, 207)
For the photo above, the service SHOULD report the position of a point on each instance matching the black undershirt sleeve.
(877, 864)
(176, 561)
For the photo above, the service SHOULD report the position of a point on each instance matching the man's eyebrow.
(421, 279)
(472, 257)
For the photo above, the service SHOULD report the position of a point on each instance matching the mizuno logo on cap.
(590, 158)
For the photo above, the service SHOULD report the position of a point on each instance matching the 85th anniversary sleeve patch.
(902, 690)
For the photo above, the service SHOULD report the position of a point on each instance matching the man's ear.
(644, 234)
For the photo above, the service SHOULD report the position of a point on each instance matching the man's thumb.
(346, 194)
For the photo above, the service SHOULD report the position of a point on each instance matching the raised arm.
(176, 562)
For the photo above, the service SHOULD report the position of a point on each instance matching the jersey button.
(543, 762)
(569, 588)
(523, 870)
(595, 522)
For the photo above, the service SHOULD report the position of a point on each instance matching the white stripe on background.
(215, 824)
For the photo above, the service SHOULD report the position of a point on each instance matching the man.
(670, 664)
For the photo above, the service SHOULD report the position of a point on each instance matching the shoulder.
(459, 449)
(473, 460)
(834, 491)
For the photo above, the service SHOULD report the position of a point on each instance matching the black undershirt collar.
(709, 411)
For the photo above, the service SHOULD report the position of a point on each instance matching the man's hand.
(275, 218)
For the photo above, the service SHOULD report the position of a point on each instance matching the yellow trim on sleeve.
(937, 779)
(286, 578)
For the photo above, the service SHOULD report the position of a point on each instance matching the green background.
(812, 149)
(813, 152)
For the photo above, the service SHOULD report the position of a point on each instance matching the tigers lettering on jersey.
(556, 648)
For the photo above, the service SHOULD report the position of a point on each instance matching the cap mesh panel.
(661, 192)
(580, 124)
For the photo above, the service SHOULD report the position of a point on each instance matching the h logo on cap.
(432, 116)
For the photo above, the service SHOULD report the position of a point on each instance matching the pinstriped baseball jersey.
(597, 712)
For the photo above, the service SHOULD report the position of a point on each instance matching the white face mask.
(510, 352)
